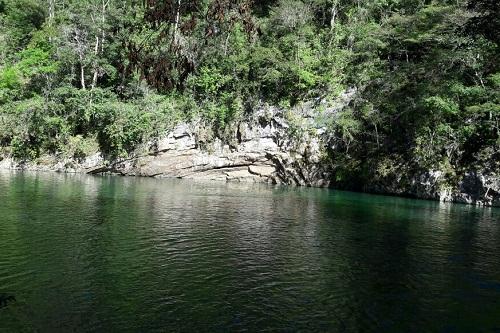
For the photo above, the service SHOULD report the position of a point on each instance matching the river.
(117, 254)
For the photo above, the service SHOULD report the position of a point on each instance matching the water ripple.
(110, 254)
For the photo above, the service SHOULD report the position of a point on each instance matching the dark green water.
(113, 254)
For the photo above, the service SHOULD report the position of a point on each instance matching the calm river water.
(112, 254)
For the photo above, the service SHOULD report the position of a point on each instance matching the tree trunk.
(99, 42)
(51, 12)
(334, 16)
(82, 76)
(96, 67)
(176, 24)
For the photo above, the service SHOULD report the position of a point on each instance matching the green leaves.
(9, 78)
(29, 73)
(35, 61)
(440, 105)
(209, 81)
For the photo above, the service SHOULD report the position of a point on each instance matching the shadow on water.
(5, 299)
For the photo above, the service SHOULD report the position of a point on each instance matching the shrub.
(80, 147)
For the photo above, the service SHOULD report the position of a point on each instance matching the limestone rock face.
(473, 188)
(54, 164)
(264, 153)
(476, 188)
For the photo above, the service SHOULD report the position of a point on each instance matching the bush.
(80, 147)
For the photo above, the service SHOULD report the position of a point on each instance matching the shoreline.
(85, 172)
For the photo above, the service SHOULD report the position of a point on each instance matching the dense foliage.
(77, 74)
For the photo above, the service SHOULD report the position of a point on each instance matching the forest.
(78, 76)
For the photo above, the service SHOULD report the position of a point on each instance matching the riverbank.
(271, 146)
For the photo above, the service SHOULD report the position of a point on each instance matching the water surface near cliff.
(83, 253)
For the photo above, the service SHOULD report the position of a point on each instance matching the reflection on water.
(83, 253)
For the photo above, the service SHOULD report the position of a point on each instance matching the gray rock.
(262, 155)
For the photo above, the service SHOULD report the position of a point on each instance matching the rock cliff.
(262, 152)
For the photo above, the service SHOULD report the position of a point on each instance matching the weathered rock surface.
(476, 188)
(262, 154)
(55, 164)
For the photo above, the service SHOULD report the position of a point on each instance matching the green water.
(112, 254)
